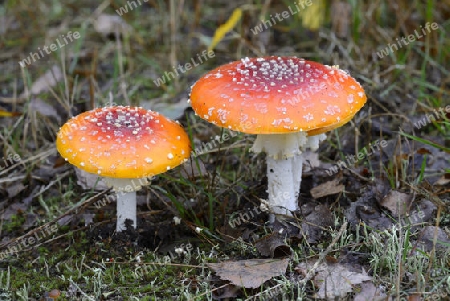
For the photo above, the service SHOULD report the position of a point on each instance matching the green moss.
(15, 224)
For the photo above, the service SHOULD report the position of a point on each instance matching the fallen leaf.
(316, 218)
(327, 188)
(420, 213)
(15, 189)
(423, 151)
(273, 245)
(31, 220)
(21, 206)
(365, 208)
(397, 202)
(426, 237)
(444, 180)
(334, 279)
(46, 172)
(9, 114)
(250, 273)
(414, 297)
(226, 27)
(313, 15)
(369, 292)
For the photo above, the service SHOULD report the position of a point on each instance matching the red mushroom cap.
(123, 142)
(277, 95)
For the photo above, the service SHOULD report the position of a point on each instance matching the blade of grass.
(425, 141)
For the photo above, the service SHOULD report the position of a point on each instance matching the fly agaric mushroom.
(123, 145)
(288, 102)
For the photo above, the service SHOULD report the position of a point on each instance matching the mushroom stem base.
(284, 166)
(126, 209)
(284, 179)
(126, 199)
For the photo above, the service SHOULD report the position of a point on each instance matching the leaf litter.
(251, 273)
(375, 203)
(334, 279)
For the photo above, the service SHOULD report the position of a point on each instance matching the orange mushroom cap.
(275, 95)
(123, 142)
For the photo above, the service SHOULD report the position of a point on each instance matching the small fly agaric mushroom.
(123, 144)
(288, 102)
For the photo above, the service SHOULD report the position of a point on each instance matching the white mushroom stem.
(284, 178)
(126, 199)
(284, 166)
(126, 209)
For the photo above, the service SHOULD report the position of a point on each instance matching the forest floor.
(377, 228)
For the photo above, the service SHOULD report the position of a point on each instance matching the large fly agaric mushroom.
(123, 145)
(288, 102)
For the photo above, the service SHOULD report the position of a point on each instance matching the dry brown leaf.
(15, 189)
(4, 113)
(444, 180)
(365, 209)
(420, 213)
(426, 238)
(334, 279)
(31, 220)
(21, 206)
(316, 218)
(338, 281)
(415, 297)
(250, 273)
(369, 292)
(327, 188)
(273, 245)
(397, 202)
